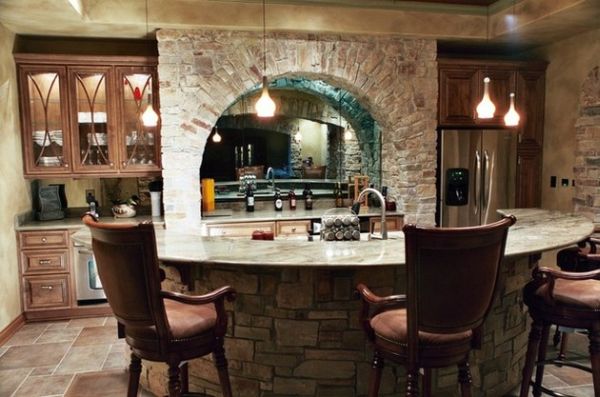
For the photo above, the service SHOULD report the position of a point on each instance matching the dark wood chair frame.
(551, 312)
(411, 355)
(172, 351)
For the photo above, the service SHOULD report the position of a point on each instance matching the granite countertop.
(25, 223)
(535, 231)
(269, 214)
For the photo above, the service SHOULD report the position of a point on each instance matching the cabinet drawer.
(45, 239)
(394, 224)
(46, 291)
(45, 261)
(239, 229)
(293, 227)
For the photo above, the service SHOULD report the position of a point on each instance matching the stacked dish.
(43, 139)
(49, 161)
(97, 139)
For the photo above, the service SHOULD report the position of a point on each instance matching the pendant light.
(216, 138)
(486, 108)
(265, 107)
(149, 117)
(512, 118)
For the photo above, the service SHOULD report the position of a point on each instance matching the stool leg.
(221, 364)
(426, 382)
(185, 378)
(135, 368)
(563, 346)
(464, 378)
(556, 338)
(539, 372)
(174, 379)
(375, 378)
(532, 347)
(594, 336)
(412, 382)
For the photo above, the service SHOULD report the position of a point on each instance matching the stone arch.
(201, 72)
(587, 158)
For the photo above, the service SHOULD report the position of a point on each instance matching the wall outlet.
(88, 192)
(564, 182)
(553, 181)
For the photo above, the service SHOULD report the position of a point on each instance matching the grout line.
(23, 381)
(68, 351)
(69, 385)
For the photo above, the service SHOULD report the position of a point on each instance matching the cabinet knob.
(112, 164)
(47, 287)
(124, 164)
(44, 239)
(44, 261)
(293, 229)
(66, 165)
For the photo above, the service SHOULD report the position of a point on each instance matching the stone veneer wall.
(202, 72)
(587, 155)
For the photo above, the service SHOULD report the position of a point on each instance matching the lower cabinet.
(48, 279)
(242, 229)
(394, 223)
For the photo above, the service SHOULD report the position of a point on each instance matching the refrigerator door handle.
(477, 179)
(486, 179)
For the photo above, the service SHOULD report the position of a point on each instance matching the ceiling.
(509, 23)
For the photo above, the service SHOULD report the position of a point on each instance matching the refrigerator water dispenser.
(457, 186)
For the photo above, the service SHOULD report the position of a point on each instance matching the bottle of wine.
(249, 198)
(292, 199)
(308, 199)
(277, 201)
(337, 192)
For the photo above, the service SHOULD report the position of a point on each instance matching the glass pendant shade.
(149, 117)
(216, 137)
(486, 108)
(265, 107)
(511, 118)
(347, 135)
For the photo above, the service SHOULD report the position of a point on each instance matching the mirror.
(319, 133)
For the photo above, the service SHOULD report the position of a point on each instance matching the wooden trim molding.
(12, 328)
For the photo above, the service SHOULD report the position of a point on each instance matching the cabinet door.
(502, 83)
(238, 229)
(139, 145)
(458, 87)
(51, 291)
(529, 175)
(92, 113)
(44, 120)
(530, 105)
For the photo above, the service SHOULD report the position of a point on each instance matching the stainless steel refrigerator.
(478, 175)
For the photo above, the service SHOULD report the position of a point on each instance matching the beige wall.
(570, 62)
(14, 190)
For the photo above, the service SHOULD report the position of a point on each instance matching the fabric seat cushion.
(392, 326)
(187, 320)
(577, 293)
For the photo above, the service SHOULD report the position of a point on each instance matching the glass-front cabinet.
(43, 120)
(139, 144)
(91, 119)
(81, 115)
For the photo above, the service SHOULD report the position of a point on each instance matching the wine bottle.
(339, 200)
(308, 199)
(249, 198)
(292, 199)
(277, 201)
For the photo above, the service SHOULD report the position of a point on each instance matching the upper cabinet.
(81, 115)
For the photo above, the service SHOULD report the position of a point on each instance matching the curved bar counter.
(294, 331)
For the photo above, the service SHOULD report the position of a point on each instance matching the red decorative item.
(137, 94)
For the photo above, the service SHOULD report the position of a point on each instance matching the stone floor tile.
(580, 391)
(110, 322)
(10, 379)
(87, 322)
(83, 358)
(42, 355)
(2, 350)
(24, 337)
(96, 336)
(34, 327)
(39, 371)
(115, 360)
(105, 383)
(59, 335)
(39, 386)
(57, 325)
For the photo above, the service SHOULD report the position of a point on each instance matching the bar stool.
(566, 299)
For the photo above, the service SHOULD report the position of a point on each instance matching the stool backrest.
(127, 264)
(452, 275)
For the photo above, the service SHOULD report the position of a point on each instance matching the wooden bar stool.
(566, 299)
(452, 277)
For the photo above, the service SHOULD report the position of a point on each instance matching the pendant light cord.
(146, 19)
(264, 37)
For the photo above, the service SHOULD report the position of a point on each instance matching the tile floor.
(84, 358)
(80, 358)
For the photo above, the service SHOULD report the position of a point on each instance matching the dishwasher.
(88, 287)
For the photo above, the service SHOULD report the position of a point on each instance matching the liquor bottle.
(308, 199)
(249, 198)
(277, 201)
(292, 199)
(337, 193)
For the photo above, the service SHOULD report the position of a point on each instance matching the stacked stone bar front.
(294, 332)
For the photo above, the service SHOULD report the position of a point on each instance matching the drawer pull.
(45, 261)
(44, 239)
(293, 229)
(47, 287)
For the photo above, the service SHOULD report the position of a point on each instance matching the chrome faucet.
(272, 172)
(384, 232)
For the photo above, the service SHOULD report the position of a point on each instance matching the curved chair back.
(128, 268)
(452, 275)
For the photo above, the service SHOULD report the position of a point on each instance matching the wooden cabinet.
(293, 228)
(81, 115)
(394, 224)
(461, 89)
(48, 279)
(242, 229)
(45, 269)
